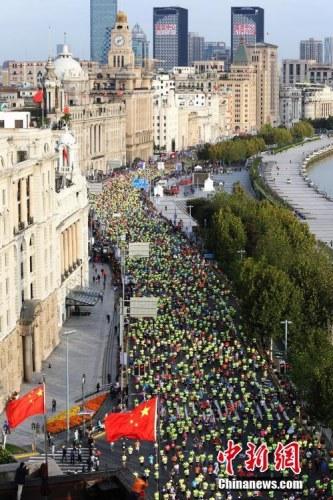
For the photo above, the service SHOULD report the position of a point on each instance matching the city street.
(213, 383)
(88, 354)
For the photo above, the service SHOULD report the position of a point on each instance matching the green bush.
(6, 457)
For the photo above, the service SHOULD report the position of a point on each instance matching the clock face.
(119, 41)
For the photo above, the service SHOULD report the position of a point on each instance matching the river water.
(321, 174)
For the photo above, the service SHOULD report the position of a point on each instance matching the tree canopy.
(283, 274)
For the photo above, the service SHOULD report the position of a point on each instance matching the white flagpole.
(45, 423)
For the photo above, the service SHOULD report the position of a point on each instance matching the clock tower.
(121, 54)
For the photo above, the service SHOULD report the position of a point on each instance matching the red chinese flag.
(38, 97)
(139, 423)
(20, 409)
(66, 110)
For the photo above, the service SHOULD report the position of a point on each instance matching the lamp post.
(286, 323)
(241, 253)
(67, 334)
(83, 381)
(122, 314)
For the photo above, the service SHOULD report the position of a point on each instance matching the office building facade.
(329, 50)
(102, 19)
(140, 46)
(196, 48)
(311, 49)
(170, 37)
(247, 26)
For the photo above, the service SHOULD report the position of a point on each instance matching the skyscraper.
(171, 36)
(196, 47)
(311, 49)
(247, 26)
(102, 19)
(329, 50)
(140, 45)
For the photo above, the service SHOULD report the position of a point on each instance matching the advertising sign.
(166, 29)
(244, 29)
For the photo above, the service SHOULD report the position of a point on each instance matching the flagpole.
(45, 422)
(158, 454)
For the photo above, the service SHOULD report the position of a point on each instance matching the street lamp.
(67, 334)
(241, 253)
(286, 323)
(84, 421)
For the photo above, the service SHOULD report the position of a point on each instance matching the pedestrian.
(79, 454)
(6, 427)
(54, 405)
(98, 386)
(109, 378)
(20, 475)
(72, 456)
(108, 318)
(139, 487)
(49, 439)
(64, 453)
(53, 449)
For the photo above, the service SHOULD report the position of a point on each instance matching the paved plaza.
(282, 174)
(89, 349)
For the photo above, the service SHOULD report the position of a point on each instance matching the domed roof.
(121, 17)
(66, 67)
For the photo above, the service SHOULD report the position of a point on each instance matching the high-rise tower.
(171, 36)
(102, 19)
(247, 26)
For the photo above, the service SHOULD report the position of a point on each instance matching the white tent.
(209, 185)
(158, 191)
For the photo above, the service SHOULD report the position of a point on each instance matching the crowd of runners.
(213, 383)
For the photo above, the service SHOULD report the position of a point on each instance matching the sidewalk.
(87, 350)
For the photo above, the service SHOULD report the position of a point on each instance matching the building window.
(31, 291)
(22, 270)
(18, 123)
(2, 123)
(31, 266)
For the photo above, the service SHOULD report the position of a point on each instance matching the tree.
(268, 297)
(229, 237)
(302, 129)
(267, 133)
(312, 373)
(282, 136)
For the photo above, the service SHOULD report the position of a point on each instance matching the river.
(321, 174)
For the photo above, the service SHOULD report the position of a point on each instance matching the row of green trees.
(323, 123)
(239, 149)
(283, 275)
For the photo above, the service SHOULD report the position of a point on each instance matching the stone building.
(99, 127)
(184, 116)
(290, 105)
(134, 85)
(240, 86)
(264, 57)
(43, 246)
